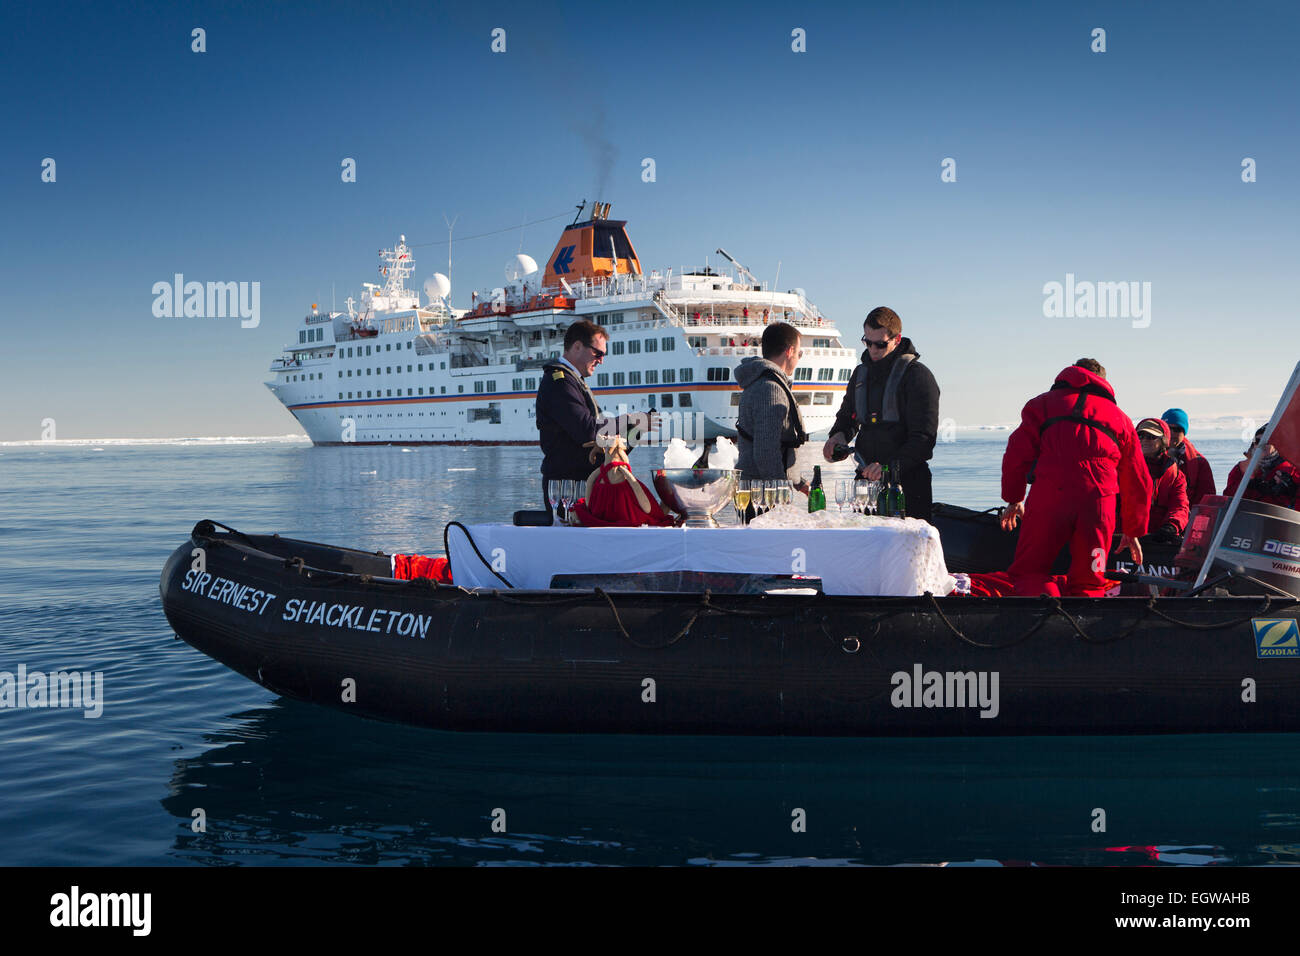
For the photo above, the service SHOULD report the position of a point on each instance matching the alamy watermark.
(922, 688)
(215, 300)
(37, 689)
(1098, 300)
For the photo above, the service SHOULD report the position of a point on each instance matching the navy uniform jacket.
(567, 418)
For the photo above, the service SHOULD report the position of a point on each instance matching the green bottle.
(900, 500)
(885, 498)
(816, 495)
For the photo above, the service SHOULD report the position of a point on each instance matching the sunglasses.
(599, 353)
(877, 345)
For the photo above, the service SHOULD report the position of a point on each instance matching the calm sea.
(84, 531)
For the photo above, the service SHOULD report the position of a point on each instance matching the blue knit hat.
(1176, 418)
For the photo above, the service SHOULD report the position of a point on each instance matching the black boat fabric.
(327, 625)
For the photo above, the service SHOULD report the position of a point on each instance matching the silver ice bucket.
(697, 494)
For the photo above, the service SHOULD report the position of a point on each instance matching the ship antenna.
(450, 224)
(581, 206)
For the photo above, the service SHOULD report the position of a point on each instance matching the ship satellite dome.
(518, 267)
(437, 286)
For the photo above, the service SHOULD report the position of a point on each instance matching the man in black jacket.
(891, 405)
(568, 415)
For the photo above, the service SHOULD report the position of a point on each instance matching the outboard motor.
(1263, 539)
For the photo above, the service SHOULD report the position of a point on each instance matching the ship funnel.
(593, 249)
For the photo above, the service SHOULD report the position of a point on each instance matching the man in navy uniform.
(567, 413)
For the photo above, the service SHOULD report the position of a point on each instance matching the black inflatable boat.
(329, 625)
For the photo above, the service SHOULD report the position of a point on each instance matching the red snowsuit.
(1078, 469)
(1279, 485)
(1169, 501)
(1196, 469)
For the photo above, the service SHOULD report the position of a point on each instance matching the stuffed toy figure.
(615, 498)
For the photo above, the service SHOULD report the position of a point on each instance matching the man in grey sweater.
(768, 425)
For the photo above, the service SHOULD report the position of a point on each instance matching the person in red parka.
(1194, 466)
(1080, 451)
(1169, 507)
(1276, 481)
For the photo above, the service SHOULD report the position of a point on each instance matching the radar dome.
(437, 286)
(521, 265)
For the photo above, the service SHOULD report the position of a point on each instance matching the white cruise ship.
(393, 371)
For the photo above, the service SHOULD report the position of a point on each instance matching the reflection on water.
(291, 782)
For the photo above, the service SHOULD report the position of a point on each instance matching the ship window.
(735, 398)
(634, 347)
(388, 347)
(492, 385)
(478, 386)
(803, 398)
(460, 389)
(390, 392)
(421, 392)
(442, 390)
(615, 348)
(410, 391)
(685, 375)
(666, 401)
(367, 396)
(651, 345)
(443, 364)
(618, 378)
(516, 384)
(652, 376)
(825, 374)
(409, 344)
(845, 374)
(634, 378)
(410, 368)
(669, 343)
(803, 375)
(821, 398)
(420, 367)
(367, 349)
(650, 401)
(602, 379)
(532, 384)
(349, 394)
(697, 341)
(683, 399)
(389, 370)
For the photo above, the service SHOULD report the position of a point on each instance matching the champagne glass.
(567, 492)
(862, 495)
(877, 487)
(741, 499)
(787, 493)
(841, 494)
(553, 496)
(771, 490)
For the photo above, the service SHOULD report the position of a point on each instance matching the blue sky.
(224, 166)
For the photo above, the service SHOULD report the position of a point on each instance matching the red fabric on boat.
(998, 584)
(407, 567)
(615, 505)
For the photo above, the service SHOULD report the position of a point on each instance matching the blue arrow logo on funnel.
(564, 260)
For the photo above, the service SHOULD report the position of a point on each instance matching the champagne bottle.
(900, 500)
(885, 498)
(840, 452)
(816, 495)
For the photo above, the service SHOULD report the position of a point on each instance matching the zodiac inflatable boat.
(329, 625)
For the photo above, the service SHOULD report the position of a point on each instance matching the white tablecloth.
(895, 557)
